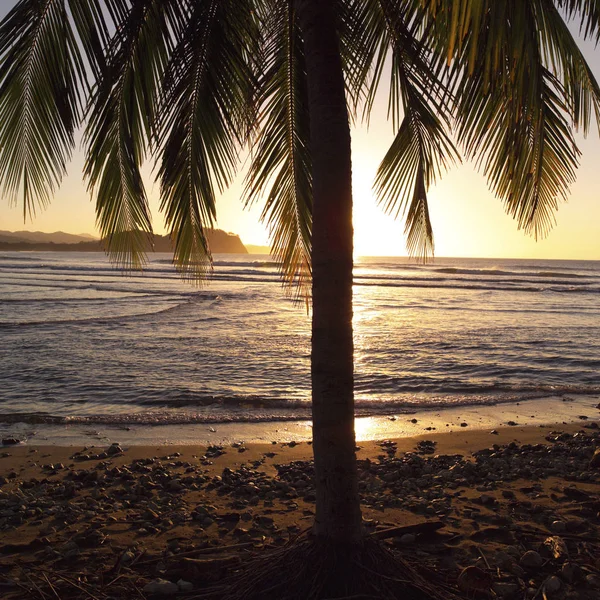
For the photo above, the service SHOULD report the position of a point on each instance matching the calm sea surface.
(82, 343)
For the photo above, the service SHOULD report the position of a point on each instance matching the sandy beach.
(515, 511)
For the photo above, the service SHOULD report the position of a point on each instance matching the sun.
(375, 233)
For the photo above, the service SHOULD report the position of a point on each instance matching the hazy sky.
(467, 219)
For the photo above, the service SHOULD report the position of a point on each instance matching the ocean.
(82, 343)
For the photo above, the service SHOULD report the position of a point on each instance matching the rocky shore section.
(510, 520)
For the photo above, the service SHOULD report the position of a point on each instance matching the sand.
(74, 525)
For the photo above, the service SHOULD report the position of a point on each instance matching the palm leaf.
(41, 77)
(419, 101)
(513, 118)
(281, 158)
(588, 13)
(121, 123)
(562, 53)
(204, 119)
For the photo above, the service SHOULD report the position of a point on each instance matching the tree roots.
(314, 569)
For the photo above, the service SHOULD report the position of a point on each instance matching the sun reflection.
(365, 428)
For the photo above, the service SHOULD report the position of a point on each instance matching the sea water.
(80, 342)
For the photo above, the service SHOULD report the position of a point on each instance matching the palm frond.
(513, 118)
(588, 14)
(281, 158)
(203, 122)
(422, 149)
(121, 123)
(93, 32)
(42, 75)
(561, 53)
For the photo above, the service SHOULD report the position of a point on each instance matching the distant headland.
(220, 242)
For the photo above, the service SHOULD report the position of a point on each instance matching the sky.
(468, 220)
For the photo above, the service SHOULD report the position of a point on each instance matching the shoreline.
(556, 410)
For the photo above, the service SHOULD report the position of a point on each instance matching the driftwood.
(201, 551)
(426, 528)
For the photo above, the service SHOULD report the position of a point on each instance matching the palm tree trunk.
(338, 516)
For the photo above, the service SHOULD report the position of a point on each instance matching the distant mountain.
(58, 237)
(219, 241)
(253, 249)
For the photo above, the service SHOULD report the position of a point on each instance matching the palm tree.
(191, 82)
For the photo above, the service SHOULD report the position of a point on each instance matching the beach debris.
(595, 460)
(512, 423)
(555, 547)
(425, 528)
(494, 432)
(10, 441)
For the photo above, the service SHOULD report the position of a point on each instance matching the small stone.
(512, 423)
(10, 441)
(464, 424)
(407, 538)
(474, 579)
(593, 580)
(114, 449)
(531, 559)
(127, 557)
(595, 460)
(503, 559)
(569, 571)
(517, 571)
(161, 587)
(175, 485)
(505, 590)
(552, 584)
(185, 586)
(558, 526)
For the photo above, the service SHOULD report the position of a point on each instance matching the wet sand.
(557, 409)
